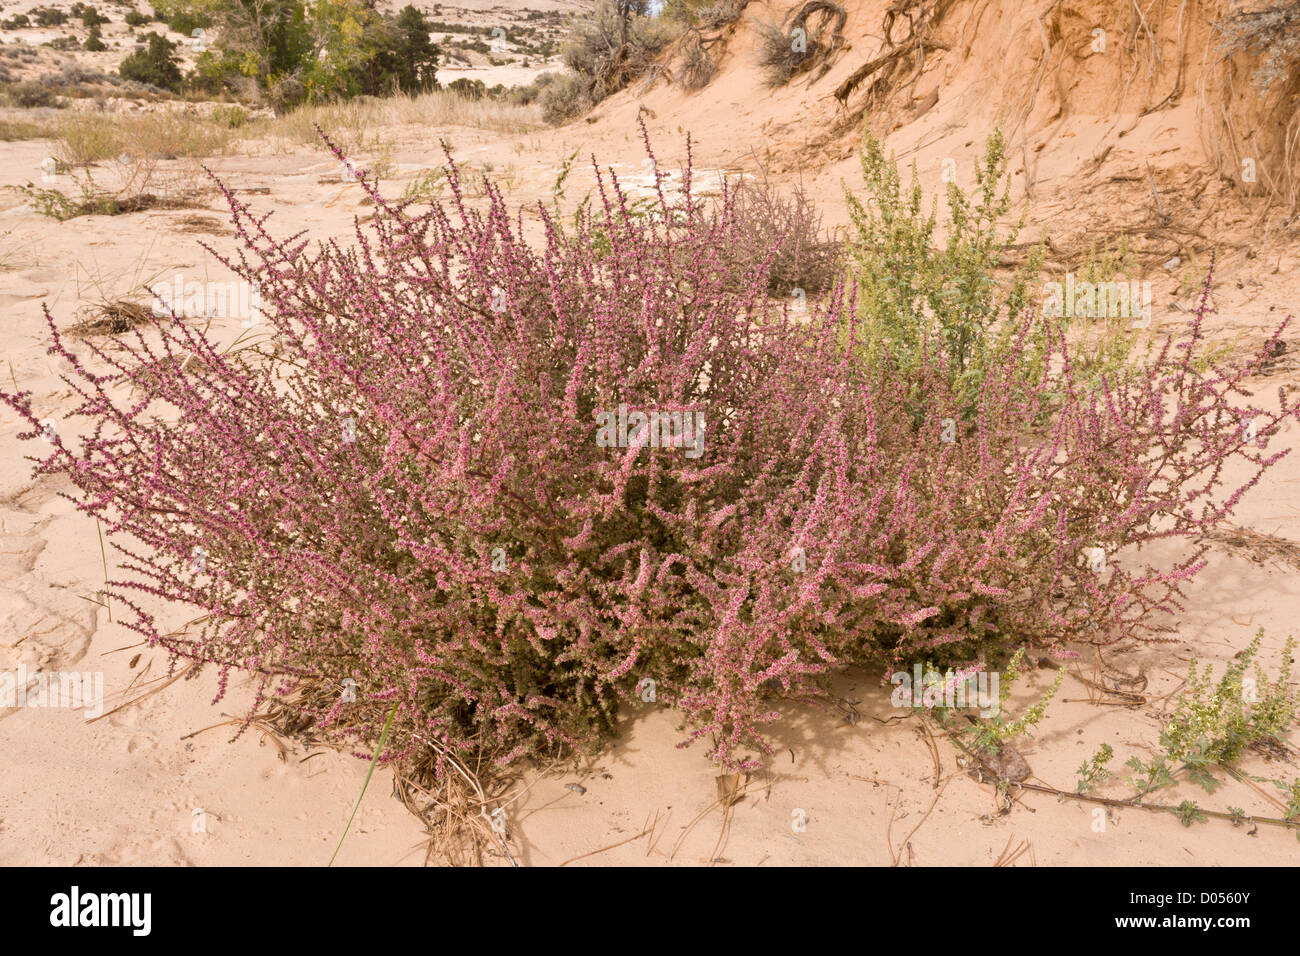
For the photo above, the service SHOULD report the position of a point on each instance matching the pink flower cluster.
(407, 493)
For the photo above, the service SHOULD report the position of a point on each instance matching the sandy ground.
(125, 788)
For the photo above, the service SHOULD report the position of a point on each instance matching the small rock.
(1008, 764)
(577, 788)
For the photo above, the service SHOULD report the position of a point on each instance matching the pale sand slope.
(122, 789)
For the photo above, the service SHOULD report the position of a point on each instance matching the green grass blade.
(373, 760)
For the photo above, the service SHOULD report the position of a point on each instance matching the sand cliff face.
(1145, 131)
(1142, 122)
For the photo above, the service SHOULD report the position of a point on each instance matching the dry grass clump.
(436, 108)
(1256, 545)
(606, 52)
(206, 225)
(798, 45)
(25, 128)
(463, 801)
(134, 184)
(112, 317)
(707, 29)
(698, 67)
(720, 14)
(94, 137)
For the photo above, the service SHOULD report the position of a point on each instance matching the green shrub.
(89, 16)
(155, 65)
(1213, 724)
(186, 22)
(470, 89)
(914, 295)
(524, 95)
(48, 16)
(299, 52)
(230, 117)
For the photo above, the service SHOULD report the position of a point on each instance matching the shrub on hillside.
(530, 93)
(1272, 31)
(30, 94)
(434, 489)
(564, 97)
(48, 16)
(89, 16)
(698, 67)
(186, 22)
(469, 89)
(607, 50)
(798, 44)
(295, 51)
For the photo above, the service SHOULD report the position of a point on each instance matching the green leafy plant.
(1104, 345)
(426, 186)
(1188, 812)
(915, 296)
(997, 729)
(55, 204)
(1093, 771)
(1150, 776)
(1214, 723)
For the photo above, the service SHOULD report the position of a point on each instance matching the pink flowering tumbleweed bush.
(438, 489)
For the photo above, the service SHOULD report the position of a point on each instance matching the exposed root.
(797, 47)
(902, 56)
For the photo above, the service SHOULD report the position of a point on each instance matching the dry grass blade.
(907, 840)
(1008, 856)
(1255, 545)
(166, 682)
(644, 830)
